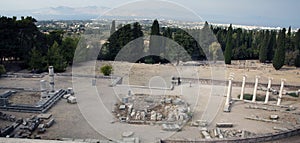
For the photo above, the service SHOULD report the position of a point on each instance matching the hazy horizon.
(273, 13)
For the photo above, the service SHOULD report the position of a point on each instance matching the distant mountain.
(147, 10)
(60, 13)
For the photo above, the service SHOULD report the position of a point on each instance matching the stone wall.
(258, 138)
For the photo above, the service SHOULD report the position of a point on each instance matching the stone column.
(268, 90)
(228, 96)
(43, 88)
(243, 87)
(51, 78)
(280, 92)
(255, 89)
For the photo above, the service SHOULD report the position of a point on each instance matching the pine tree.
(229, 45)
(279, 56)
(55, 58)
(36, 62)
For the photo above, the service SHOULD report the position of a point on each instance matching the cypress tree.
(271, 46)
(228, 48)
(279, 56)
(155, 28)
(155, 43)
(113, 27)
(263, 51)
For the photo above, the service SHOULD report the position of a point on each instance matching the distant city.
(78, 26)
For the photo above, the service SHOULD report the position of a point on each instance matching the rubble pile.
(225, 133)
(25, 128)
(143, 109)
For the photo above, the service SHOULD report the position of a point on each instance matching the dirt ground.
(70, 123)
(25, 98)
(140, 74)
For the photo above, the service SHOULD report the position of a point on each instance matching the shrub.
(106, 69)
(293, 94)
(2, 70)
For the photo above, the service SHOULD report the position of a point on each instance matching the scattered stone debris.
(7, 117)
(171, 127)
(205, 134)
(127, 134)
(224, 133)
(199, 123)
(261, 108)
(280, 129)
(274, 117)
(131, 140)
(44, 116)
(149, 109)
(72, 99)
(224, 125)
(26, 128)
(256, 118)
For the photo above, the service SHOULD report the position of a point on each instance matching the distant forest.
(278, 47)
(21, 41)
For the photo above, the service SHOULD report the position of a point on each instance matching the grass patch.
(250, 96)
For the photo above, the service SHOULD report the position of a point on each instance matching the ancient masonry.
(47, 100)
(228, 101)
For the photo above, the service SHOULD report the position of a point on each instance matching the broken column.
(228, 96)
(268, 90)
(255, 89)
(280, 92)
(51, 78)
(243, 87)
(43, 89)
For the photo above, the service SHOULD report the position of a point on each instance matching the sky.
(275, 13)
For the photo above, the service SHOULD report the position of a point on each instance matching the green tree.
(113, 27)
(37, 61)
(263, 51)
(155, 47)
(55, 58)
(271, 46)
(229, 45)
(106, 69)
(279, 56)
(115, 43)
(68, 48)
(137, 46)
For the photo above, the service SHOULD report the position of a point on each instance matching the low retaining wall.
(254, 139)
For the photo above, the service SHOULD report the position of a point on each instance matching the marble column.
(51, 78)
(280, 92)
(228, 96)
(268, 90)
(255, 89)
(243, 87)
(43, 88)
